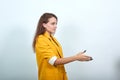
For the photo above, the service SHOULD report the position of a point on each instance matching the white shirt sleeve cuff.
(52, 60)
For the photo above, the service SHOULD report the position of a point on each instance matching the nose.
(55, 26)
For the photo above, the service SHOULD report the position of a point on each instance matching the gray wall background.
(93, 25)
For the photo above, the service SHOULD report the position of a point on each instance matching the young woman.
(48, 51)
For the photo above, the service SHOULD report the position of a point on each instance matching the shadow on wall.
(15, 56)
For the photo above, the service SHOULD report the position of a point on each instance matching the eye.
(54, 23)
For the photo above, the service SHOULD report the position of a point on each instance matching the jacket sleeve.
(43, 49)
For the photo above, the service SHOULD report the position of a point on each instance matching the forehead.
(52, 19)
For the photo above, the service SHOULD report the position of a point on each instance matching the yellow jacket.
(47, 47)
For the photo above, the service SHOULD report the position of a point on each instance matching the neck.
(50, 33)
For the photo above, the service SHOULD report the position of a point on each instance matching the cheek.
(49, 28)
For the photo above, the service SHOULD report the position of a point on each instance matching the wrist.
(76, 57)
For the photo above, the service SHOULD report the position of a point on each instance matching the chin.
(53, 32)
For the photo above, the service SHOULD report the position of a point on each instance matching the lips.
(54, 29)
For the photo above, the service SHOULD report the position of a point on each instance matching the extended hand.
(82, 57)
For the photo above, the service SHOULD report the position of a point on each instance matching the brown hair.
(40, 29)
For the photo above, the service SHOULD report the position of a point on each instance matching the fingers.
(83, 57)
(88, 58)
(91, 58)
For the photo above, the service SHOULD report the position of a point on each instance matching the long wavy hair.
(40, 29)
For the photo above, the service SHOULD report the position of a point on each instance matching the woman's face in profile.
(51, 25)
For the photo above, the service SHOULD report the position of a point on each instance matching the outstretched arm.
(79, 57)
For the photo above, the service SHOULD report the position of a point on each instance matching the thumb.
(84, 51)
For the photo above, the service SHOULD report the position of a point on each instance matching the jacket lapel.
(59, 48)
(54, 42)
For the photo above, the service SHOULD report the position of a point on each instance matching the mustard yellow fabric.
(46, 47)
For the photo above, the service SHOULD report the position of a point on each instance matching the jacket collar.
(47, 34)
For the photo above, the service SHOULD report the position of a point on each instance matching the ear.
(44, 25)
